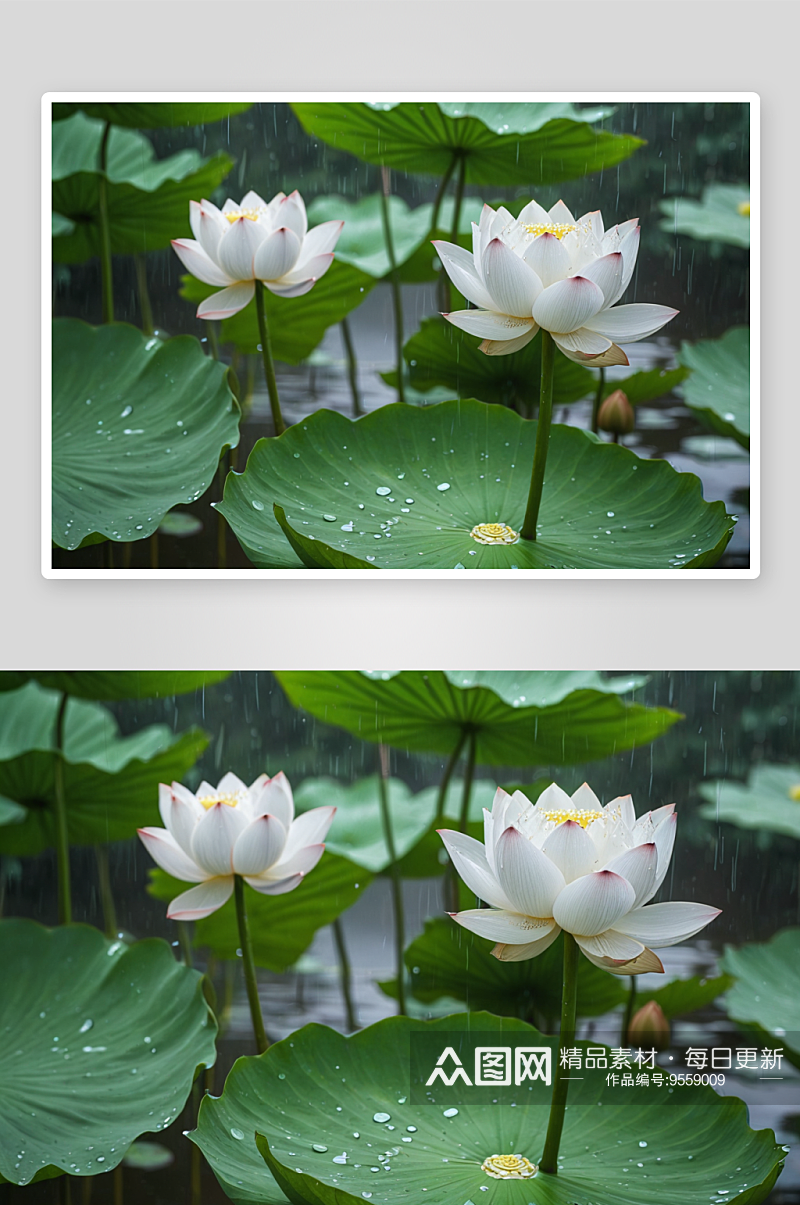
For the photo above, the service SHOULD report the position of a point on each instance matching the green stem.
(185, 939)
(154, 550)
(345, 974)
(222, 525)
(558, 1104)
(119, 1185)
(249, 966)
(269, 367)
(106, 274)
(195, 1164)
(62, 833)
(451, 877)
(211, 335)
(146, 309)
(352, 367)
(441, 801)
(397, 884)
(395, 281)
(106, 894)
(542, 438)
(462, 176)
(437, 205)
(598, 397)
(629, 1010)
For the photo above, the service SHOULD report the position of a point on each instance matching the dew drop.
(444, 486)
(329, 518)
(450, 1113)
(381, 1117)
(257, 505)
(237, 1134)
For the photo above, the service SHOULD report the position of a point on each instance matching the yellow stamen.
(794, 793)
(208, 801)
(250, 214)
(509, 1167)
(494, 533)
(559, 229)
(743, 208)
(584, 819)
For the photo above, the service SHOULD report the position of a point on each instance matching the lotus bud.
(650, 1027)
(616, 414)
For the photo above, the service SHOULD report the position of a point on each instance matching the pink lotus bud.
(650, 1027)
(616, 414)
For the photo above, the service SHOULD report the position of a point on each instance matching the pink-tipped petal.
(647, 963)
(554, 799)
(592, 904)
(611, 946)
(195, 260)
(527, 876)
(237, 248)
(301, 862)
(549, 259)
(470, 860)
(252, 200)
(208, 226)
(320, 240)
(507, 927)
(559, 215)
(259, 846)
(277, 255)
(629, 323)
(165, 851)
(660, 925)
(231, 784)
(567, 304)
(571, 849)
(511, 283)
(227, 302)
(215, 836)
(309, 829)
(585, 800)
(607, 274)
(292, 213)
(488, 325)
(201, 901)
(664, 837)
(493, 347)
(275, 887)
(282, 288)
(614, 355)
(623, 805)
(275, 796)
(629, 249)
(181, 818)
(638, 866)
(530, 949)
(460, 267)
(313, 269)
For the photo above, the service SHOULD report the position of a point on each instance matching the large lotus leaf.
(718, 389)
(117, 684)
(155, 115)
(357, 832)
(148, 198)
(718, 216)
(446, 960)
(110, 781)
(362, 242)
(296, 324)
(539, 717)
(770, 800)
(767, 988)
(138, 427)
(403, 488)
(282, 926)
(532, 144)
(101, 1043)
(308, 1096)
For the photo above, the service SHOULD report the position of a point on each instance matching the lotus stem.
(397, 884)
(451, 878)
(462, 176)
(195, 1162)
(395, 281)
(542, 438)
(630, 1008)
(211, 335)
(119, 1185)
(62, 832)
(437, 205)
(269, 366)
(558, 1104)
(145, 308)
(154, 550)
(345, 974)
(185, 940)
(249, 966)
(352, 367)
(106, 894)
(106, 274)
(222, 526)
(598, 397)
(441, 801)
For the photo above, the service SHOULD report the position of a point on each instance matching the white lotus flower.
(233, 829)
(545, 269)
(239, 244)
(568, 863)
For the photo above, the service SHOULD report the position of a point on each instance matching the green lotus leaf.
(11, 812)
(718, 389)
(61, 225)
(357, 831)
(769, 801)
(148, 198)
(138, 427)
(532, 144)
(302, 1102)
(110, 781)
(296, 324)
(448, 961)
(153, 116)
(101, 1044)
(539, 717)
(717, 217)
(647, 384)
(361, 242)
(767, 988)
(282, 926)
(117, 684)
(682, 996)
(448, 468)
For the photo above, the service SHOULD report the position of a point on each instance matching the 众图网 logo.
(494, 1066)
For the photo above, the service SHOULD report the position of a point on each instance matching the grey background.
(381, 45)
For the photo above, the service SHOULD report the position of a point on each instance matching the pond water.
(733, 724)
